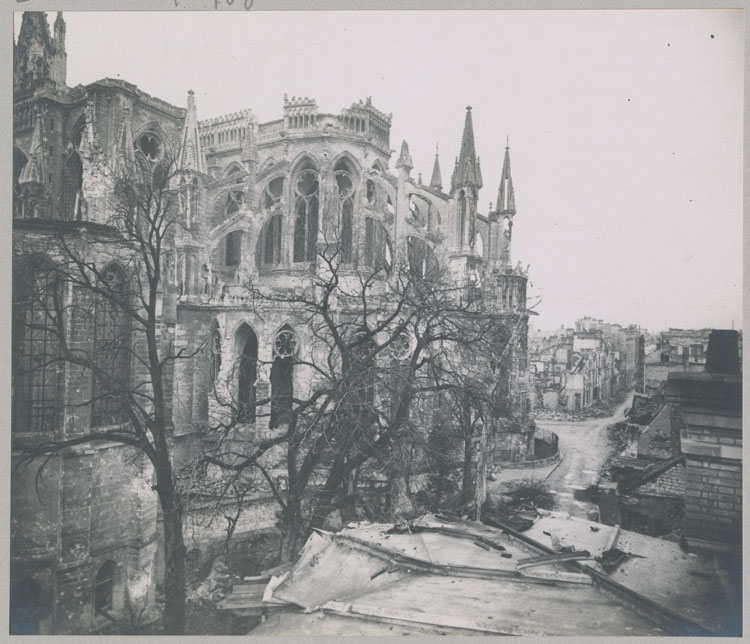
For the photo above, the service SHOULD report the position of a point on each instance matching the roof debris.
(439, 575)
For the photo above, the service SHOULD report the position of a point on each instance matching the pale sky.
(625, 126)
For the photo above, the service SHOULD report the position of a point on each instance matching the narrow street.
(585, 447)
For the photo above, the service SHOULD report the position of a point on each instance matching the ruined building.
(256, 202)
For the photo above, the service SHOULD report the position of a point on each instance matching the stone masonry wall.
(713, 502)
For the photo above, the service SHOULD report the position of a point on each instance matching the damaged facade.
(256, 202)
(575, 368)
(681, 470)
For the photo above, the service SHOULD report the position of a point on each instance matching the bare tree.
(96, 311)
(379, 339)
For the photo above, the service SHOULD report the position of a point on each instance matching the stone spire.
(404, 159)
(60, 59)
(33, 172)
(59, 31)
(467, 171)
(36, 56)
(437, 180)
(506, 200)
(191, 154)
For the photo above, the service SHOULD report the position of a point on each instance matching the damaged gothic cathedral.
(256, 207)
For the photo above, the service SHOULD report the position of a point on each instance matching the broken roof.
(662, 437)
(451, 576)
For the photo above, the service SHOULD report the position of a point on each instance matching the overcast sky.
(625, 126)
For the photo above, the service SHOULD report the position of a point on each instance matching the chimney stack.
(723, 352)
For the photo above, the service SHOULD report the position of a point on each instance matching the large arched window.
(104, 588)
(345, 210)
(111, 350)
(285, 347)
(233, 248)
(269, 247)
(247, 343)
(362, 376)
(37, 371)
(422, 261)
(72, 185)
(377, 245)
(306, 193)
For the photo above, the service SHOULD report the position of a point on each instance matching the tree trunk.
(466, 483)
(174, 557)
(292, 530)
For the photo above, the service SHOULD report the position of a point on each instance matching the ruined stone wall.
(91, 509)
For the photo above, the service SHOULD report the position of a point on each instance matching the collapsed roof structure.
(441, 575)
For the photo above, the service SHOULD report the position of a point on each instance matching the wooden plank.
(557, 575)
(576, 555)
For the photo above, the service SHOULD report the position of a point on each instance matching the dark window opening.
(346, 233)
(215, 353)
(248, 374)
(345, 185)
(150, 146)
(233, 248)
(77, 138)
(103, 588)
(72, 188)
(271, 238)
(371, 193)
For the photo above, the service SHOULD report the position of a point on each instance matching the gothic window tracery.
(306, 190)
(150, 146)
(111, 350)
(37, 374)
(285, 347)
(270, 241)
(272, 193)
(345, 207)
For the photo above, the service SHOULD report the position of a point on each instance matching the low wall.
(545, 436)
